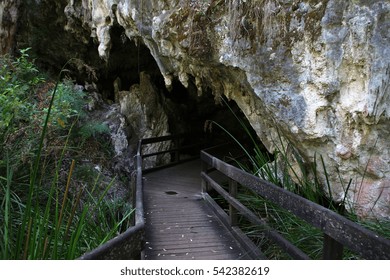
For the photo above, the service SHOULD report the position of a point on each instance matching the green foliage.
(44, 214)
(59, 228)
(18, 79)
(68, 105)
(92, 129)
(298, 232)
(25, 101)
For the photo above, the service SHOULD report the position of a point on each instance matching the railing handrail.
(129, 244)
(337, 229)
(176, 150)
(151, 140)
(134, 235)
(139, 200)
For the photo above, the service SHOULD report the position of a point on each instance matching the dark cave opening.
(188, 112)
(127, 59)
(54, 46)
(199, 116)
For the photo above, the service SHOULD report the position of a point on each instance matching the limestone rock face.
(313, 75)
(141, 106)
(315, 72)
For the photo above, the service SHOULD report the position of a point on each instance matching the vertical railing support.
(133, 195)
(203, 183)
(232, 210)
(332, 250)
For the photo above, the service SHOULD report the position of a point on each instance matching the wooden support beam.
(332, 249)
(232, 211)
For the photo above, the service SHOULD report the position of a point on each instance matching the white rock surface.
(143, 111)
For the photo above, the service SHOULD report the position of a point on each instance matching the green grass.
(305, 184)
(46, 210)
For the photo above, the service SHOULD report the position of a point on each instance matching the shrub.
(42, 214)
(18, 79)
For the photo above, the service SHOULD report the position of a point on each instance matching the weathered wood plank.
(179, 223)
(195, 256)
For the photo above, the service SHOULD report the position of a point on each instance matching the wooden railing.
(129, 244)
(176, 150)
(338, 231)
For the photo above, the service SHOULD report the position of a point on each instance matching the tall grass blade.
(66, 193)
(34, 173)
(72, 247)
(27, 239)
(238, 142)
(365, 170)
(73, 212)
(115, 228)
(46, 225)
(7, 207)
(326, 178)
(346, 193)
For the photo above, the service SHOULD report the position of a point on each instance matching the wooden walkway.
(175, 220)
(179, 223)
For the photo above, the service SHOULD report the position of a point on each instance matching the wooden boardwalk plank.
(179, 223)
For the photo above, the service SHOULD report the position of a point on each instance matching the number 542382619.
(241, 271)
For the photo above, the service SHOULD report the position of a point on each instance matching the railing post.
(332, 249)
(232, 210)
(133, 196)
(203, 183)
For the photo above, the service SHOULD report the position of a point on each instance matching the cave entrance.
(197, 116)
(205, 120)
(127, 59)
